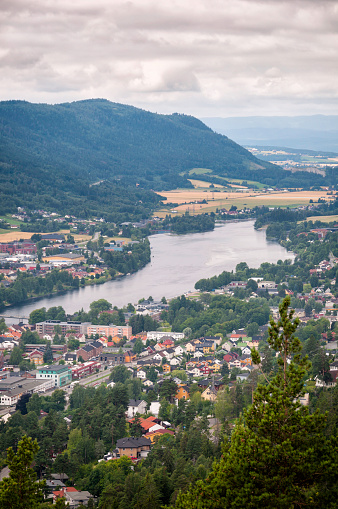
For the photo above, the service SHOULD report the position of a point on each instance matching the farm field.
(10, 235)
(324, 219)
(187, 198)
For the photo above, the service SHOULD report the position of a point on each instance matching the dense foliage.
(190, 224)
(278, 455)
(92, 158)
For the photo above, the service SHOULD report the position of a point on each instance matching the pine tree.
(278, 456)
(20, 490)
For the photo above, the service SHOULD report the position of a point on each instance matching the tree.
(38, 315)
(48, 355)
(20, 490)
(3, 326)
(16, 356)
(278, 456)
(120, 374)
(138, 346)
(168, 390)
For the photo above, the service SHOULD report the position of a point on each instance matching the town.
(165, 368)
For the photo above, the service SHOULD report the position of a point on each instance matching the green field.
(9, 219)
(199, 171)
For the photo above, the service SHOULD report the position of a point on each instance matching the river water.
(177, 262)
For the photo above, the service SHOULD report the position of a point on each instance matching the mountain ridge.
(50, 155)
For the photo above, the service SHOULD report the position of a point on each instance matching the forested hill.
(51, 155)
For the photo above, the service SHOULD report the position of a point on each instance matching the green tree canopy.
(20, 490)
(278, 456)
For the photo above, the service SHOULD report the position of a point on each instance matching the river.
(177, 262)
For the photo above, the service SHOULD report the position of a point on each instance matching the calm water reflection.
(177, 262)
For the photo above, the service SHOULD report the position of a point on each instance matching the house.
(153, 435)
(182, 392)
(37, 357)
(159, 356)
(175, 361)
(70, 358)
(246, 350)
(141, 374)
(130, 356)
(190, 347)
(209, 394)
(166, 368)
(133, 447)
(136, 406)
(155, 408)
(178, 350)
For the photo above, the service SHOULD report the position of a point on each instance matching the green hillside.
(51, 155)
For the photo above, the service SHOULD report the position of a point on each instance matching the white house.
(176, 361)
(141, 374)
(136, 406)
(178, 350)
(246, 350)
(155, 408)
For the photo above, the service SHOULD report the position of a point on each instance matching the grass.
(324, 219)
(10, 220)
(249, 182)
(199, 171)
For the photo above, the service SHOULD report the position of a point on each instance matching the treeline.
(27, 286)
(221, 314)
(133, 257)
(190, 224)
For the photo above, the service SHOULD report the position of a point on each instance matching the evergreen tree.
(48, 355)
(20, 490)
(279, 456)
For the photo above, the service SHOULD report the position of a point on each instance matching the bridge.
(21, 318)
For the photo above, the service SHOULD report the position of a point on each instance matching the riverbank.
(177, 262)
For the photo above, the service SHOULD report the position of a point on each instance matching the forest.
(189, 224)
(56, 158)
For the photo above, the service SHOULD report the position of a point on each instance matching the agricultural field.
(323, 219)
(11, 235)
(187, 199)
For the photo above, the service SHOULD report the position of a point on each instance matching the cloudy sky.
(201, 57)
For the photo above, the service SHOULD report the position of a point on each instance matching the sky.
(207, 58)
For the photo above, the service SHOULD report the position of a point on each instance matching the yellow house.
(182, 392)
(36, 357)
(190, 347)
(209, 394)
(166, 368)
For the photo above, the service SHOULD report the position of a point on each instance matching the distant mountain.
(313, 132)
(52, 155)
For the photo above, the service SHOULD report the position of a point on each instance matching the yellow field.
(117, 239)
(324, 219)
(200, 184)
(78, 237)
(187, 198)
(10, 236)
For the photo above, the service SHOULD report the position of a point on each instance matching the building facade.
(62, 375)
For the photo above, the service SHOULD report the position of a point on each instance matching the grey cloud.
(242, 54)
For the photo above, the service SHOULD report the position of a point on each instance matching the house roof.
(135, 402)
(132, 442)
